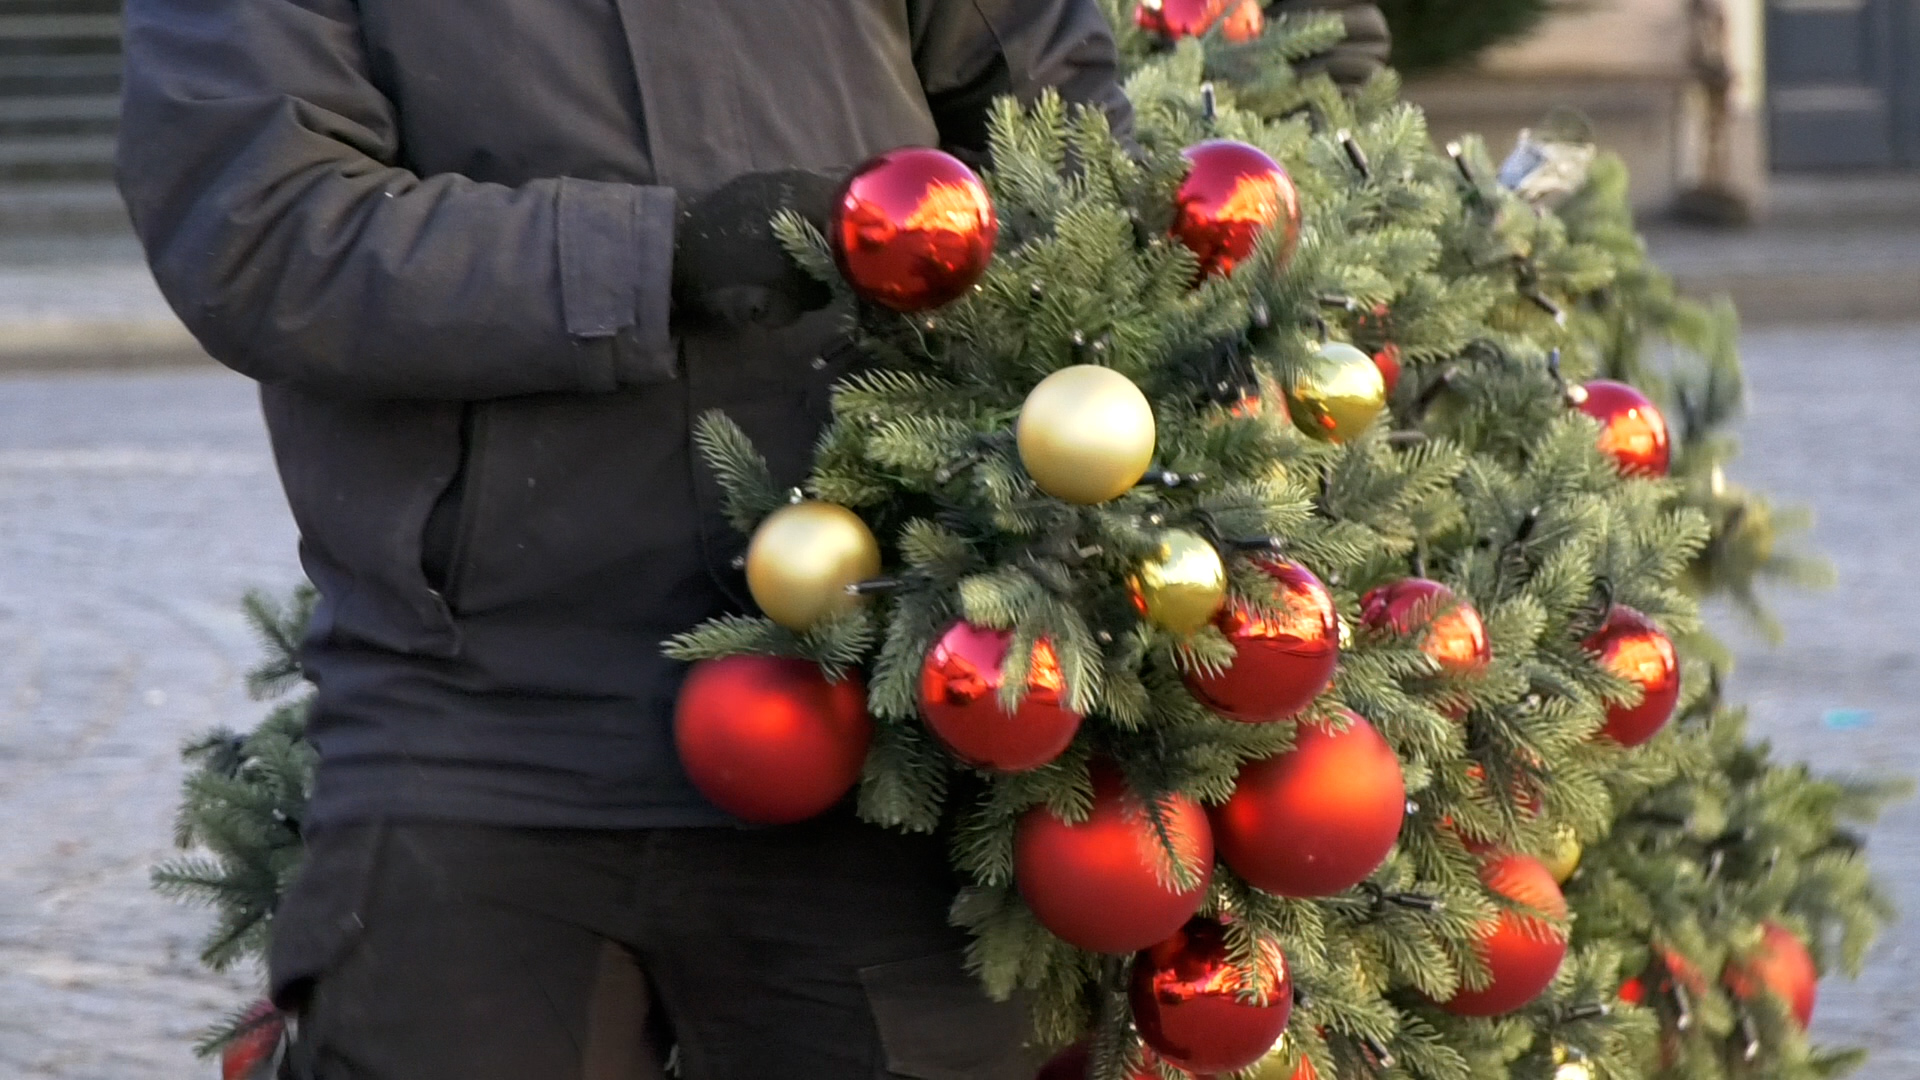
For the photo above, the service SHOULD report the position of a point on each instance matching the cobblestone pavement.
(134, 510)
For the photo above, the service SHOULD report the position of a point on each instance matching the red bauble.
(1632, 430)
(1097, 885)
(959, 684)
(1522, 951)
(1633, 991)
(1455, 637)
(1317, 819)
(1174, 19)
(1244, 22)
(1282, 659)
(1387, 359)
(254, 1054)
(1781, 966)
(913, 229)
(1195, 1009)
(1630, 646)
(1233, 194)
(770, 740)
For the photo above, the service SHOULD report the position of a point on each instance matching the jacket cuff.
(616, 280)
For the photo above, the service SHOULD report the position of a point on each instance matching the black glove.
(1355, 60)
(729, 270)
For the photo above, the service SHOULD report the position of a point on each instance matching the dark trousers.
(453, 952)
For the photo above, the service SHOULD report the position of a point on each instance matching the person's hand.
(1355, 60)
(730, 271)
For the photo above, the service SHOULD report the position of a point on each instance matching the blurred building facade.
(1707, 99)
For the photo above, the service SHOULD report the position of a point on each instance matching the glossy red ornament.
(770, 740)
(1198, 1011)
(1454, 636)
(255, 1053)
(1232, 195)
(1782, 966)
(913, 229)
(1175, 19)
(1632, 430)
(960, 682)
(1629, 645)
(1317, 819)
(1633, 991)
(1283, 657)
(1522, 951)
(1098, 884)
(1671, 968)
(1387, 359)
(1245, 22)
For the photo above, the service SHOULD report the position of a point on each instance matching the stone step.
(63, 112)
(70, 211)
(59, 7)
(97, 72)
(56, 157)
(38, 27)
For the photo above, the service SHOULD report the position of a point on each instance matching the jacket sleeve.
(1366, 49)
(259, 163)
(970, 51)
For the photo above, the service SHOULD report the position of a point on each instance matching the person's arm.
(258, 162)
(1364, 52)
(970, 51)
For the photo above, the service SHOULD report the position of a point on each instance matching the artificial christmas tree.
(1021, 454)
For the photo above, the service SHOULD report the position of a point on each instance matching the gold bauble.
(1564, 859)
(802, 559)
(1336, 393)
(1086, 434)
(1181, 586)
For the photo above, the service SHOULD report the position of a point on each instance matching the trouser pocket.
(937, 1023)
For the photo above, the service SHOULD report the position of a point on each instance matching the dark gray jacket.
(440, 235)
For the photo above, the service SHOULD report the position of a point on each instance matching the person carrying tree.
(486, 261)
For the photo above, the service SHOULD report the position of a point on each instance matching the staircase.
(59, 114)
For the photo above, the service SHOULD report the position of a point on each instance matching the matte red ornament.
(1629, 645)
(959, 683)
(770, 740)
(1283, 657)
(1522, 951)
(1782, 966)
(254, 1054)
(1454, 636)
(913, 229)
(1106, 884)
(1232, 195)
(1387, 359)
(1632, 430)
(1198, 1011)
(1317, 819)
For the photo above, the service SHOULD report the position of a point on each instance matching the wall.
(1625, 64)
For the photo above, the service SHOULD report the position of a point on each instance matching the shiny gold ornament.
(1086, 434)
(1182, 586)
(1569, 1065)
(1334, 395)
(1564, 858)
(802, 559)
